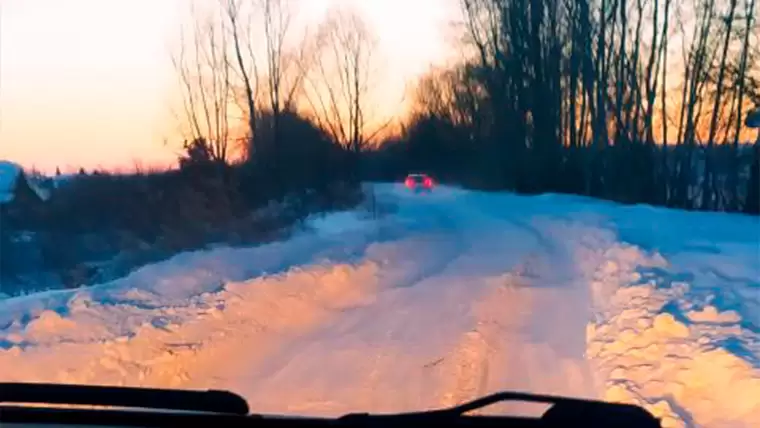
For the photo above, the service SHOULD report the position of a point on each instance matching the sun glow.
(90, 82)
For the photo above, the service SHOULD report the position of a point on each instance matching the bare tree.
(271, 78)
(276, 23)
(202, 65)
(283, 78)
(708, 190)
(338, 83)
(742, 76)
(247, 70)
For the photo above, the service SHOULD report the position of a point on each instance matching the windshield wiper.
(563, 411)
(229, 409)
(121, 396)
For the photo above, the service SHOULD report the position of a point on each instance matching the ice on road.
(454, 295)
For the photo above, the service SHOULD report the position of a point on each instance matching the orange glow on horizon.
(90, 83)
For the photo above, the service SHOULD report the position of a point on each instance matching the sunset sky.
(90, 82)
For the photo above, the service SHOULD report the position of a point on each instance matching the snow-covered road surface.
(455, 295)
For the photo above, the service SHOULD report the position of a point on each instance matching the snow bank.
(187, 276)
(9, 172)
(676, 325)
(340, 222)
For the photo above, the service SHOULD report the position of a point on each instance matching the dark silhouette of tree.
(203, 66)
(197, 152)
(575, 96)
(752, 206)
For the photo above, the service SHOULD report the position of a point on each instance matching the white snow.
(454, 295)
(9, 172)
(339, 222)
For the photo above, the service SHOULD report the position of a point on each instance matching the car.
(419, 183)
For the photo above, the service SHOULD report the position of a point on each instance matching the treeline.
(579, 96)
(99, 226)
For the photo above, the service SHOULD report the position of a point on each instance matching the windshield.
(214, 194)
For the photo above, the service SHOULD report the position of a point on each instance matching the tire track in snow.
(549, 264)
(477, 326)
(404, 262)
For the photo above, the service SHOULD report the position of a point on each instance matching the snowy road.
(453, 306)
(455, 295)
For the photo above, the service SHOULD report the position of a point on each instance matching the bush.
(100, 226)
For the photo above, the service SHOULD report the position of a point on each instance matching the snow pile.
(340, 222)
(9, 172)
(9, 176)
(167, 345)
(166, 324)
(677, 327)
(455, 295)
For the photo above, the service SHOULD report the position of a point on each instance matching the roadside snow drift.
(455, 295)
(9, 173)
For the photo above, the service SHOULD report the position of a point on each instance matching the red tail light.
(409, 183)
(428, 182)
